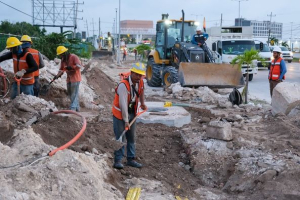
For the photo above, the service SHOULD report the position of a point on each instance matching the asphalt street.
(259, 86)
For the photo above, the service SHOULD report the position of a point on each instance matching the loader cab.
(168, 32)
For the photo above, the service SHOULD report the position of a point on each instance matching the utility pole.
(271, 15)
(221, 20)
(119, 39)
(291, 45)
(240, 20)
(99, 28)
(87, 28)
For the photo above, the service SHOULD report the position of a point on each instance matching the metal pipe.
(119, 43)
(182, 29)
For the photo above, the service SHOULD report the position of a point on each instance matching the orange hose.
(76, 137)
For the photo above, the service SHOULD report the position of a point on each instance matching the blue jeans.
(36, 86)
(119, 127)
(26, 89)
(73, 93)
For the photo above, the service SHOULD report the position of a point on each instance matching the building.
(138, 29)
(261, 28)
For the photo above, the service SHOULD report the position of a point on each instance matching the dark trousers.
(36, 86)
(273, 85)
(119, 127)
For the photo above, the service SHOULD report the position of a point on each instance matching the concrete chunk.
(219, 130)
(286, 98)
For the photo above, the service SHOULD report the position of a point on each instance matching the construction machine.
(105, 49)
(176, 59)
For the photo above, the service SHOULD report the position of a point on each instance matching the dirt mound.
(102, 85)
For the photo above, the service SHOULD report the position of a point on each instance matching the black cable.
(16, 9)
(25, 163)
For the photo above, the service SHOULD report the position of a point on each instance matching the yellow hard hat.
(12, 42)
(61, 50)
(138, 68)
(26, 38)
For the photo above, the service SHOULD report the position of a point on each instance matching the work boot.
(118, 165)
(133, 163)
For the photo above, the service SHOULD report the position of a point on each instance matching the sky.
(286, 12)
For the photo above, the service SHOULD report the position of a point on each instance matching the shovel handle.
(18, 80)
(132, 121)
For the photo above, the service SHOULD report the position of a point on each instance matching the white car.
(265, 53)
(286, 54)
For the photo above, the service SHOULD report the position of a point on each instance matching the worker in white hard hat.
(277, 69)
(70, 64)
(199, 38)
(125, 107)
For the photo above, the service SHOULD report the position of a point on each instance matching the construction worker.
(199, 38)
(24, 66)
(135, 53)
(125, 106)
(277, 69)
(124, 53)
(71, 64)
(27, 42)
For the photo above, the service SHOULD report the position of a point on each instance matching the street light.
(119, 42)
(240, 10)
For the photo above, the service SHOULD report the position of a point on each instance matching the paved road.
(259, 86)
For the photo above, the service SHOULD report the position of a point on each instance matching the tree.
(247, 58)
(21, 28)
(273, 41)
(285, 44)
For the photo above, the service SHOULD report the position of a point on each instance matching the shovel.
(45, 88)
(18, 80)
(119, 142)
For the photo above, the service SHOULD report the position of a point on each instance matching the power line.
(16, 9)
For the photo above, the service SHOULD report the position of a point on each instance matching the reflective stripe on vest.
(275, 70)
(117, 112)
(20, 64)
(35, 54)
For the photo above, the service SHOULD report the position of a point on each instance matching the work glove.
(69, 68)
(21, 73)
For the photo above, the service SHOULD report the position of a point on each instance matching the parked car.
(286, 54)
(265, 53)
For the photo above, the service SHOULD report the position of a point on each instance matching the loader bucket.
(101, 53)
(210, 74)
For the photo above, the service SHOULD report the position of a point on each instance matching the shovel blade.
(44, 90)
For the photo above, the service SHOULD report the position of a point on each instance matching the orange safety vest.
(116, 107)
(19, 64)
(275, 70)
(35, 54)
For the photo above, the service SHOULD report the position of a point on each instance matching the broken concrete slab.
(177, 116)
(219, 130)
(286, 97)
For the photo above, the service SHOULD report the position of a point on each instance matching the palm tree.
(285, 44)
(273, 41)
(247, 58)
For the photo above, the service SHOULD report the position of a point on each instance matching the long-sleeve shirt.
(123, 98)
(205, 35)
(283, 69)
(42, 64)
(32, 66)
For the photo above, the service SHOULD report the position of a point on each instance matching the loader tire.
(153, 73)
(169, 76)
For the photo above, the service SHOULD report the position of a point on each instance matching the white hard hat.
(277, 49)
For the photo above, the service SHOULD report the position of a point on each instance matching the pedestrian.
(37, 56)
(24, 66)
(70, 64)
(277, 69)
(125, 107)
(199, 38)
(124, 53)
(135, 53)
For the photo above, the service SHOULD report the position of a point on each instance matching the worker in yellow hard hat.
(27, 42)
(70, 64)
(24, 66)
(125, 107)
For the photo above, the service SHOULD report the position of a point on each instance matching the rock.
(223, 103)
(286, 99)
(187, 167)
(176, 88)
(267, 176)
(181, 164)
(204, 120)
(238, 118)
(56, 61)
(219, 130)
(95, 151)
(229, 145)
